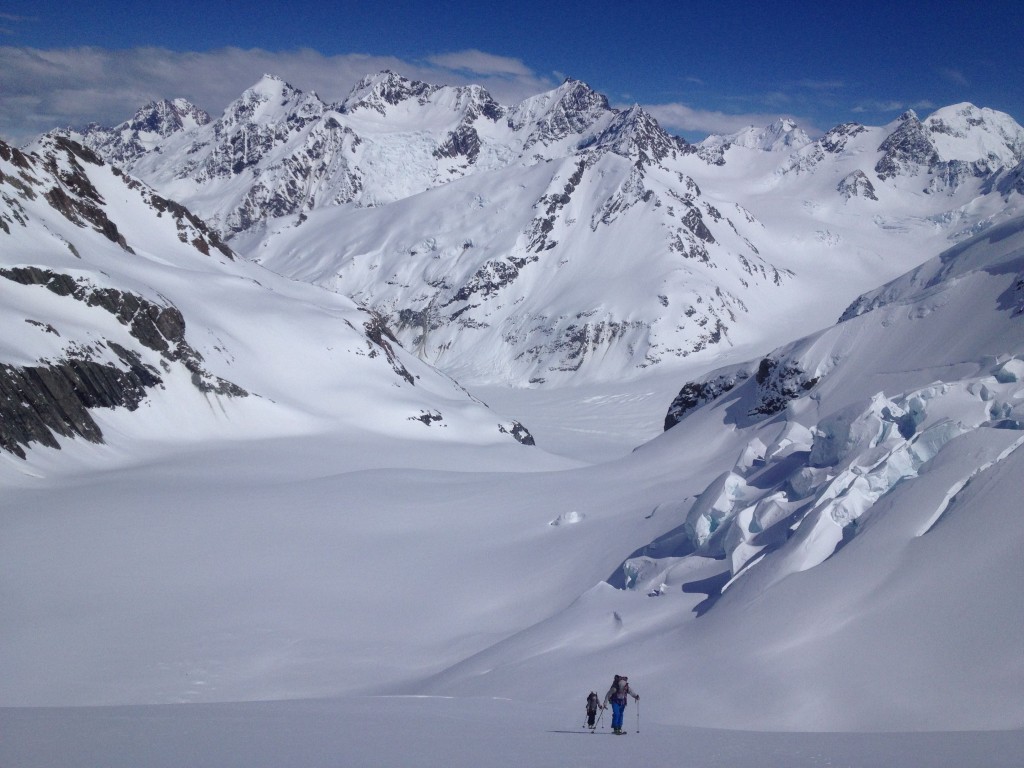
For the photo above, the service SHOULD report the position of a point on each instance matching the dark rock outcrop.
(694, 394)
(907, 149)
(779, 382)
(856, 184)
(41, 401)
(380, 339)
(52, 398)
(518, 431)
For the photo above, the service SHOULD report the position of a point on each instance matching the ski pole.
(638, 715)
(599, 719)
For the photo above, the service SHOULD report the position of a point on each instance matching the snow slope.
(407, 732)
(847, 512)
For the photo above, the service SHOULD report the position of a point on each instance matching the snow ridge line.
(957, 487)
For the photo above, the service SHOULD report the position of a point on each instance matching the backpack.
(619, 689)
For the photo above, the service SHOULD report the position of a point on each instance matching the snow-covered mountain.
(783, 135)
(279, 168)
(277, 499)
(115, 297)
(570, 239)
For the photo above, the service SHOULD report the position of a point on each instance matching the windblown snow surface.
(819, 564)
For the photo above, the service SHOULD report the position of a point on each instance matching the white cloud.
(44, 89)
(820, 85)
(480, 63)
(681, 118)
(892, 105)
(954, 75)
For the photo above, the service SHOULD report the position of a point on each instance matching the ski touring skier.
(617, 696)
(593, 704)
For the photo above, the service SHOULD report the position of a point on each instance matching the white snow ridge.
(380, 433)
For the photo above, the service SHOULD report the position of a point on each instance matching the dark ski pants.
(618, 710)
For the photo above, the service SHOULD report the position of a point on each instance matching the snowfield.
(413, 732)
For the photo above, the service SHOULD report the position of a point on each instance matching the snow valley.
(422, 394)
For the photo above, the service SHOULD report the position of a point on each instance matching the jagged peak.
(636, 114)
(374, 79)
(782, 134)
(572, 107)
(384, 88)
(164, 116)
(270, 87)
(836, 138)
(634, 130)
(574, 92)
(271, 100)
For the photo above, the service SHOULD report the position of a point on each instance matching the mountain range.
(276, 389)
(570, 239)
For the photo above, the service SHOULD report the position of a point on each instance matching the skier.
(617, 695)
(593, 704)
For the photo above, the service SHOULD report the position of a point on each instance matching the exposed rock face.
(767, 390)
(387, 88)
(518, 431)
(778, 382)
(636, 135)
(697, 393)
(907, 149)
(570, 110)
(836, 139)
(91, 278)
(291, 154)
(74, 196)
(39, 401)
(464, 141)
(856, 184)
(1012, 180)
(380, 338)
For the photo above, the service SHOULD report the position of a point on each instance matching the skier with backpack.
(593, 704)
(617, 696)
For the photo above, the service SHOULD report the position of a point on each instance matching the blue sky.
(699, 67)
